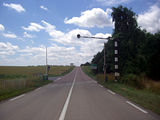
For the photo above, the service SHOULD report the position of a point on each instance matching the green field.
(145, 97)
(15, 80)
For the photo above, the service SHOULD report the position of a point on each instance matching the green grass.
(11, 92)
(143, 97)
(16, 80)
(60, 71)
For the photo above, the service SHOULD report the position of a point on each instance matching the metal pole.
(104, 63)
(116, 59)
(46, 63)
(109, 38)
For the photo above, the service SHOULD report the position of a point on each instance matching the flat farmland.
(15, 80)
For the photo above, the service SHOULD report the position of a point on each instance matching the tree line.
(139, 50)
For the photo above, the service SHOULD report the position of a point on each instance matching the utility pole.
(116, 59)
(46, 63)
(105, 63)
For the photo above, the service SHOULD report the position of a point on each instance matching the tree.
(124, 19)
(125, 30)
(139, 51)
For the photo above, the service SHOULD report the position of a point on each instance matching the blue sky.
(28, 26)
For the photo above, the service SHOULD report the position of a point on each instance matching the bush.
(133, 80)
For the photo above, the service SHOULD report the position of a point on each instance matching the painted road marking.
(94, 81)
(38, 88)
(64, 110)
(137, 107)
(100, 85)
(111, 92)
(17, 97)
(58, 79)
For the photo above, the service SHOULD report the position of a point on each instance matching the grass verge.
(18, 80)
(9, 93)
(60, 72)
(143, 97)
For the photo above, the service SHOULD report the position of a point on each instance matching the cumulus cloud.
(112, 2)
(7, 49)
(59, 55)
(150, 19)
(26, 35)
(73, 51)
(51, 30)
(87, 48)
(1, 27)
(44, 8)
(95, 17)
(18, 7)
(33, 27)
(9, 35)
(65, 48)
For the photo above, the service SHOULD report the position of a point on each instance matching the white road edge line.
(38, 88)
(17, 97)
(58, 79)
(111, 92)
(137, 107)
(100, 85)
(94, 81)
(64, 110)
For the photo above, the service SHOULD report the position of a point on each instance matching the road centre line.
(136, 107)
(17, 97)
(111, 92)
(64, 110)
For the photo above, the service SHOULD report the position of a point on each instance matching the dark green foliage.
(125, 20)
(86, 64)
(139, 51)
(153, 55)
(98, 59)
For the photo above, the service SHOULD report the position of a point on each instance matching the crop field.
(16, 80)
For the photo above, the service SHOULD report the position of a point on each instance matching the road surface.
(74, 96)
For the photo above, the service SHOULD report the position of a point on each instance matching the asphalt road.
(74, 96)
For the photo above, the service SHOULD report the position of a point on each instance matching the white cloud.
(95, 17)
(87, 47)
(51, 30)
(18, 7)
(7, 49)
(65, 48)
(44, 8)
(112, 2)
(9, 35)
(26, 35)
(1, 27)
(57, 55)
(33, 27)
(150, 19)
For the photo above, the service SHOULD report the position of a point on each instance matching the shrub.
(133, 80)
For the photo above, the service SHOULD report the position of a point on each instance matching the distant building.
(71, 64)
